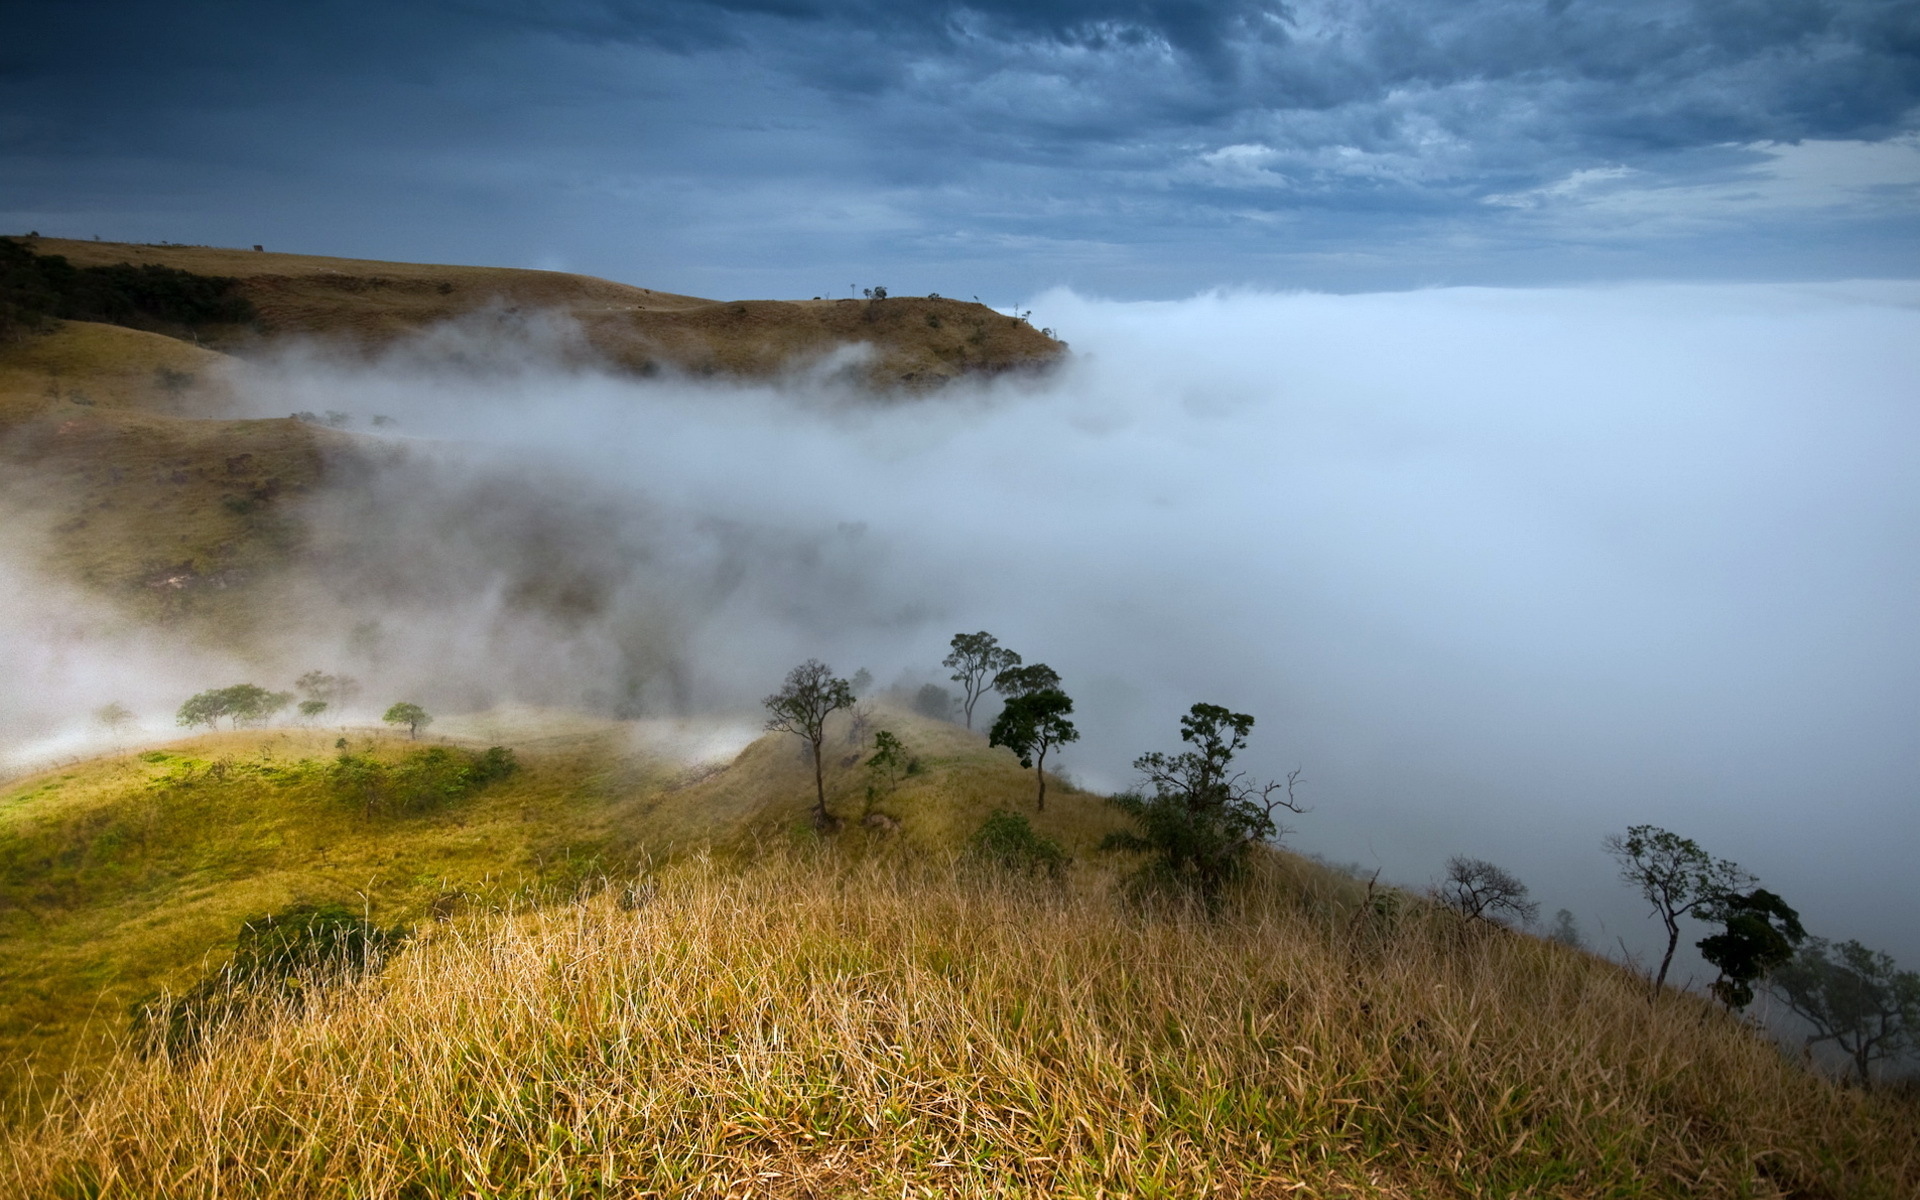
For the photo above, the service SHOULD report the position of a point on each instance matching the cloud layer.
(1502, 570)
(1131, 147)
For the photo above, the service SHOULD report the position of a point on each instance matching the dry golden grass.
(78, 365)
(812, 1025)
(116, 880)
(918, 343)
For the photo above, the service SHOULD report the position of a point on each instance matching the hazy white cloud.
(1776, 180)
(1502, 570)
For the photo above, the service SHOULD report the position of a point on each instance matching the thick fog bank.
(1502, 571)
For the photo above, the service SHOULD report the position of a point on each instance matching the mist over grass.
(1503, 571)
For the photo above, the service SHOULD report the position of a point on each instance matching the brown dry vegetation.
(917, 342)
(805, 1023)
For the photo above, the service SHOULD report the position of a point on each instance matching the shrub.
(1007, 841)
(278, 959)
(934, 701)
(422, 781)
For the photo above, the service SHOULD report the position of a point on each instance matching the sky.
(1135, 149)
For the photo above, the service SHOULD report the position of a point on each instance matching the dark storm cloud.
(1085, 138)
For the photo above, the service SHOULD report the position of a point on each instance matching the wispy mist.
(1503, 571)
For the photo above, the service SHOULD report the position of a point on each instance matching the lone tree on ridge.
(810, 695)
(976, 659)
(1676, 876)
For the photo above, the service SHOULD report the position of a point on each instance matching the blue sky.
(1131, 149)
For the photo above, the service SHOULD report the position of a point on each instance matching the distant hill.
(918, 342)
(123, 469)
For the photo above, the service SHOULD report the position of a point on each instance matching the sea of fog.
(1502, 571)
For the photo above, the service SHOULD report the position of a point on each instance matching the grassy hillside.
(814, 1023)
(118, 471)
(121, 876)
(917, 342)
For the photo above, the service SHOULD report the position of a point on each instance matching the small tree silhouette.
(810, 694)
(411, 715)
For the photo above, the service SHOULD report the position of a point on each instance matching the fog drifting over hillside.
(1502, 571)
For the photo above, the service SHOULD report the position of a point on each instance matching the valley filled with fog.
(1501, 571)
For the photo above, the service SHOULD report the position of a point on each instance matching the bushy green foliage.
(1031, 724)
(1760, 932)
(279, 958)
(421, 782)
(1202, 818)
(35, 287)
(889, 762)
(242, 704)
(1007, 841)
(409, 714)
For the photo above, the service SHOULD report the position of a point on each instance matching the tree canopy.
(1676, 876)
(975, 660)
(1854, 997)
(409, 714)
(810, 694)
(240, 704)
(1760, 933)
(1202, 817)
(1032, 724)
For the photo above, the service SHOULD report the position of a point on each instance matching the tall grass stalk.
(808, 1025)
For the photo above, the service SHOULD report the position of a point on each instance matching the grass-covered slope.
(916, 342)
(755, 1008)
(812, 1023)
(121, 876)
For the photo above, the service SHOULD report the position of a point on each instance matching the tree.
(1024, 681)
(1203, 817)
(1676, 876)
(1476, 888)
(409, 714)
(322, 691)
(801, 707)
(976, 659)
(246, 703)
(889, 762)
(1566, 930)
(1760, 933)
(114, 718)
(1032, 724)
(933, 701)
(1854, 997)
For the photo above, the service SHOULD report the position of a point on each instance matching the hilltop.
(917, 342)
